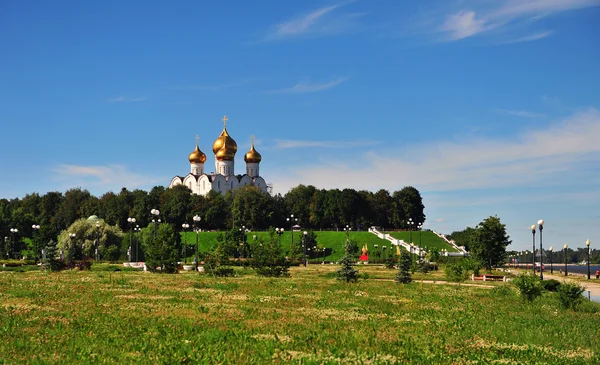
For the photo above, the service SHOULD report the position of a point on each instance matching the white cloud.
(550, 155)
(505, 17)
(462, 25)
(309, 87)
(529, 38)
(322, 21)
(124, 99)
(109, 177)
(520, 113)
(286, 143)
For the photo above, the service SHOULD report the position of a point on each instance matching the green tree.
(175, 204)
(464, 237)
(347, 272)
(161, 247)
(404, 264)
(84, 243)
(252, 207)
(408, 204)
(268, 258)
(489, 242)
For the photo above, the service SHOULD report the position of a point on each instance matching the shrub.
(224, 271)
(456, 273)
(529, 286)
(390, 263)
(551, 285)
(502, 291)
(422, 266)
(570, 295)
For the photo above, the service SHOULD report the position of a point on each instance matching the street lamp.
(131, 222)
(410, 225)
(279, 232)
(420, 227)
(550, 251)
(71, 251)
(137, 229)
(541, 226)
(304, 244)
(587, 243)
(155, 213)
(35, 228)
(291, 221)
(97, 241)
(533, 252)
(196, 220)
(14, 242)
(566, 247)
(347, 229)
(185, 226)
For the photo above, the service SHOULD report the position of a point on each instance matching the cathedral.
(224, 177)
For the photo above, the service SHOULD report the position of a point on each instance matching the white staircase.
(461, 249)
(396, 242)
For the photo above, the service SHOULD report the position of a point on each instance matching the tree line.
(488, 241)
(312, 208)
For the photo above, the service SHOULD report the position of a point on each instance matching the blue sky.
(487, 107)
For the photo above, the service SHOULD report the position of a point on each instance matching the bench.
(487, 277)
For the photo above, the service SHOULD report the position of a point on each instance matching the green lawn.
(310, 318)
(334, 240)
(428, 239)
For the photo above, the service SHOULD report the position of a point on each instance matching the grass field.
(311, 318)
(427, 239)
(334, 240)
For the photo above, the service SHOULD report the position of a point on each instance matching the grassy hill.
(329, 239)
(428, 239)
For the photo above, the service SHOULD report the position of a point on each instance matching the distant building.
(224, 177)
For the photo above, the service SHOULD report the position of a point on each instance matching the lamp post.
(304, 244)
(196, 220)
(131, 222)
(279, 232)
(377, 252)
(14, 231)
(533, 252)
(420, 227)
(566, 270)
(97, 241)
(410, 225)
(541, 227)
(137, 229)
(347, 229)
(72, 237)
(185, 226)
(155, 213)
(550, 252)
(291, 221)
(35, 228)
(587, 243)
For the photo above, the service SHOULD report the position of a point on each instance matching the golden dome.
(252, 155)
(197, 156)
(225, 141)
(225, 154)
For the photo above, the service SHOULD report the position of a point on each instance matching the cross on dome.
(225, 119)
(197, 138)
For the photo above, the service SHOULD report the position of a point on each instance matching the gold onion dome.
(224, 142)
(252, 155)
(197, 156)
